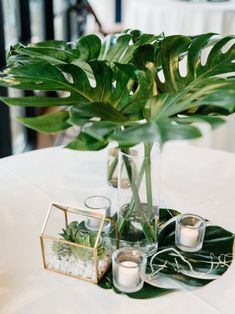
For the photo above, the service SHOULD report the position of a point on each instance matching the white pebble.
(73, 259)
(101, 264)
(89, 263)
(88, 270)
(80, 270)
(52, 262)
(57, 265)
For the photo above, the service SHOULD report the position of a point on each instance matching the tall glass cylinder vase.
(138, 200)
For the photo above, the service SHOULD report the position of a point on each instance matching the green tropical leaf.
(165, 214)
(133, 96)
(209, 263)
(147, 292)
(175, 48)
(129, 77)
(48, 123)
(86, 142)
(89, 47)
(48, 53)
(38, 76)
(100, 130)
(72, 79)
(120, 48)
(115, 48)
(53, 51)
(169, 56)
(161, 131)
(101, 110)
(39, 101)
(214, 121)
(213, 93)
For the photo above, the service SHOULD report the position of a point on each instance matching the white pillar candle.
(128, 273)
(188, 237)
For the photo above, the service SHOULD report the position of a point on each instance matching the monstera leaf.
(198, 268)
(115, 48)
(129, 88)
(169, 58)
(84, 101)
(186, 270)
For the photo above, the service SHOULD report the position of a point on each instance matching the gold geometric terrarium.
(78, 242)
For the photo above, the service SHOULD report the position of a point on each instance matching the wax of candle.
(128, 273)
(188, 237)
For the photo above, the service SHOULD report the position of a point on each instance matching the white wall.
(222, 138)
(105, 11)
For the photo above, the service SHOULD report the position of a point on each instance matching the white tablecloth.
(193, 179)
(179, 17)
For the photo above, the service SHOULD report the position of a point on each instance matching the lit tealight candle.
(128, 266)
(189, 237)
(189, 232)
(128, 273)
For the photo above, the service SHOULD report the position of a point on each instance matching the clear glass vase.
(112, 167)
(139, 199)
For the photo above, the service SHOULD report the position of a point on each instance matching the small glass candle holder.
(128, 269)
(99, 204)
(189, 232)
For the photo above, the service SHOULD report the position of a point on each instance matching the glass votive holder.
(128, 269)
(189, 232)
(98, 204)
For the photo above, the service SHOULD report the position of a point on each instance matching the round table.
(192, 179)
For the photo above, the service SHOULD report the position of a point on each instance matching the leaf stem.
(112, 168)
(147, 228)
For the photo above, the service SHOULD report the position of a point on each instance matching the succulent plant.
(70, 232)
(61, 249)
(77, 233)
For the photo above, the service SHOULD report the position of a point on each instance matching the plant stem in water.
(147, 228)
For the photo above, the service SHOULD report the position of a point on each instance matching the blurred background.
(28, 21)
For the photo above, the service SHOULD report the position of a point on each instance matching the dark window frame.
(5, 126)
(118, 11)
(24, 36)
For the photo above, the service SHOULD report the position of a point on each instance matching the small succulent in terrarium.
(79, 260)
(77, 233)
(61, 249)
(78, 243)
